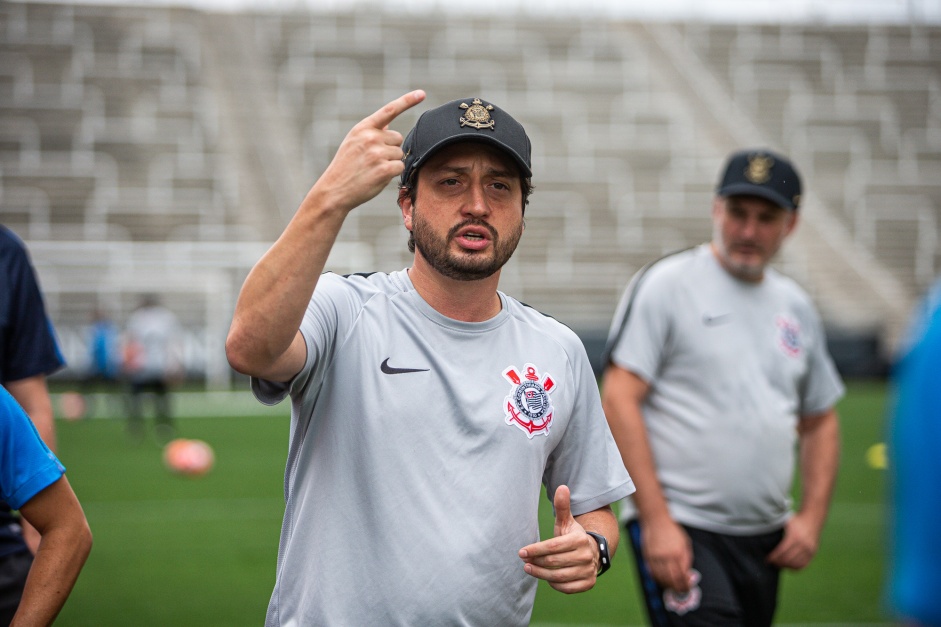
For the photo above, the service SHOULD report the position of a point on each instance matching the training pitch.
(177, 550)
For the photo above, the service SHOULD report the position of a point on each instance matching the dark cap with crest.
(468, 119)
(761, 173)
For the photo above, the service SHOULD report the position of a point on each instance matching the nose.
(477, 204)
(749, 226)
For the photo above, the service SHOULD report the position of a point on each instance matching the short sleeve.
(587, 459)
(330, 314)
(822, 386)
(639, 334)
(28, 347)
(27, 466)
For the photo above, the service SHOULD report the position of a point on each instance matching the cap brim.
(474, 137)
(746, 189)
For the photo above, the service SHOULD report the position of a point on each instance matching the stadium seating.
(149, 149)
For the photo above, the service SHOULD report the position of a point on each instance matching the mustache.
(473, 222)
(746, 244)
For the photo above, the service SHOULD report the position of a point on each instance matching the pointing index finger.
(385, 115)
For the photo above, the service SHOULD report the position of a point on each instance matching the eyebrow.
(499, 172)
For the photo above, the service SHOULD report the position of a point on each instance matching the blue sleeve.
(916, 473)
(27, 466)
(28, 345)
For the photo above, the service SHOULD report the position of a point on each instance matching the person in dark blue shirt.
(28, 354)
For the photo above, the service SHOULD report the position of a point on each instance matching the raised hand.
(568, 561)
(264, 340)
(369, 157)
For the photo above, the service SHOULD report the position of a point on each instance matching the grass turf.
(171, 550)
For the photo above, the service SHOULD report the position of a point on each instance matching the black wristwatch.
(603, 555)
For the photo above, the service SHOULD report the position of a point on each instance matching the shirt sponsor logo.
(528, 405)
(714, 320)
(387, 369)
(789, 335)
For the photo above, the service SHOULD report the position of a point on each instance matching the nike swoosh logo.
(386, 368)
(712, 321)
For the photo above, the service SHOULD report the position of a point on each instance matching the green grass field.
(171, 550)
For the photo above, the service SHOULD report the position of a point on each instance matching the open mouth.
(474, 237)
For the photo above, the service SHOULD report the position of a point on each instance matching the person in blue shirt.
(914, 583)
(104, 361)
(33, 481)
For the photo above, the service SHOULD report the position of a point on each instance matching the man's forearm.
(66, 543)
(819, 463)
(275, 294)
(622, 399)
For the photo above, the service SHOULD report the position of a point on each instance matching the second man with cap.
(716, 370)
(427, 407)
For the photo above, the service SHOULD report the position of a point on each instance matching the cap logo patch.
(528, 406)
(477, 115)
(759, 169)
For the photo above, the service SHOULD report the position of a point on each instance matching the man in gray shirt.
(716, 368)
(428, 408)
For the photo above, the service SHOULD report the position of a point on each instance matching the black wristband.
(604, 558)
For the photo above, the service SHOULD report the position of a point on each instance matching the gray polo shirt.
(732, 366)
(418, 448)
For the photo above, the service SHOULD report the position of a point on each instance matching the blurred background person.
(104, 361)
(28, 354)
(152, 363)
(718, 370)
(915, 471)
(33, 481)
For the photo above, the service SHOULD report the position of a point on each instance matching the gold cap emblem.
(759, 169)
(477, 114)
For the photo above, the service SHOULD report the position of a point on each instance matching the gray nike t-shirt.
(418, 448)
(732, 366)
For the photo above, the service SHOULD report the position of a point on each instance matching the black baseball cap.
(468, 119)
(762, 173)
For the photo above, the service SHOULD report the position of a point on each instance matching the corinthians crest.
(477, 114)
(528, 405)
(759, 169)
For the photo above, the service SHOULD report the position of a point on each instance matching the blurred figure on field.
(717, 384)
(153, 363)
(28, 354)
(104, 359)
(915, 471)
(33, 481)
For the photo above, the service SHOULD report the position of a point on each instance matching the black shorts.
(736, 587)
(13, 571)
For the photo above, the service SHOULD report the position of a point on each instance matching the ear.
(405, 204)
(792, 220)
(718, 206)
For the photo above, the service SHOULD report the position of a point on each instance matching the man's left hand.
(569, 561)
(799, 544)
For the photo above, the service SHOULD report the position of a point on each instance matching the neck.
(467, 301)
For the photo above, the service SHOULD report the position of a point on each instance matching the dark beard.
(469, 266)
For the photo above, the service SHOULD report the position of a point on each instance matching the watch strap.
(604, 557)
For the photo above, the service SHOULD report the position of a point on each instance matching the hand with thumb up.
(569, 560)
